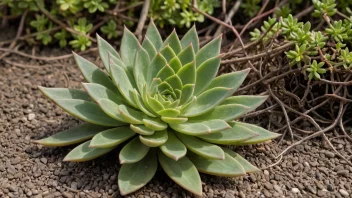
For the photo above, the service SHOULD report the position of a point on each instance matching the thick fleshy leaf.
(173, 147)
(92, 73)
(202, 148)
(106, 50)
(140, 67)
(175, 64)
(228, 167)
(167, 53)
(157, 63)
(154, 140)
(72, 136)
(230, 136)
(169, 112)
(250, 101)
(206, 101)
(154, 124)
(130, 115)
(187, 73)
(154, 36)
(173, 120)
(129, 45)
(183, 172)
(248, 167)
(133, 151)
(175, 82)
(232, 80)
(97, 92)
(263, 134)
(64, 93)
(216, 125)
(210, 50)
(124, 85)
(191, 37)
(187, 93)
(165, 72)
(136, 175)
(140, 103)
(224, 112)
(164, 86)
(191, 128)
(187, 55)
(205, 73)
(83, 153)
(141, 129)
(87, 111)
(111, 109)
(173, 41)
(111, 137)
(149, 47)
(154, 104)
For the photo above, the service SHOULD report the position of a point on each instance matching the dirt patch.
(30, 170)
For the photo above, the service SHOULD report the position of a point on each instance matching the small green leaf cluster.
(163, 101)
(250, 7)
(308, 43)
(179, 12)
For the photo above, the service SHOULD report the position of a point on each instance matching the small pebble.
(31, 116)
(295, 190)
(343, 192)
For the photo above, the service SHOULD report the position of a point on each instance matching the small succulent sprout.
(165, 103)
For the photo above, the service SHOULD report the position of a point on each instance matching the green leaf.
(228, 167)
(133, 151)
(83, 153)
(206, 101)
(104, 49)
(167, 53)
(130, 115)
(248, 167)
(183, 172)
(154, 140)
(173, 147)
(191, 37)
(165, 72)
(250, 101)
(175, 64)
(111, 137)
(141, 129)
(202, 148)
(154, 36)
(141, 105)
(190, 128)
(123, 83)
(224, 112)
(231, 80)
(64, 93)
(129, 46)
(169, 112)
(175, 82)
(140, 69)
(111, 109)
(97, 92)
(173, 41)
(263, 134)
(205, 73)
(187, 55)
(187, 73)
(187, 93)
(210, 50)
(173, 120)
(231, 136)
(72, 136)
(149, 47)
(93, 74)
(216, 125)
(136, 175)
(154, 124)
(157, 63)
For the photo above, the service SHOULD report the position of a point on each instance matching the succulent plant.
(162, 101)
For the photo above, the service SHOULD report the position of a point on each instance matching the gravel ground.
(30, 170)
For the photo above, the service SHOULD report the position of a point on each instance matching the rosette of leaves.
(162, 102)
